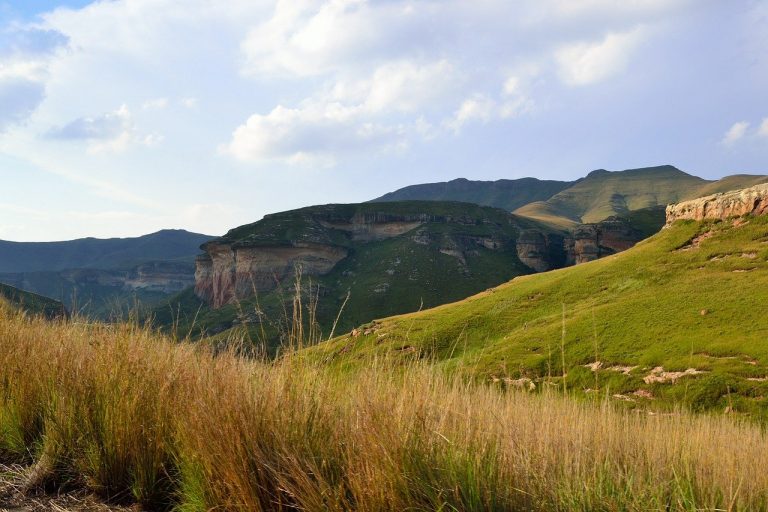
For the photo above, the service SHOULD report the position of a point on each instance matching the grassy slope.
(31, 302)
(506, 194)
(642, 307)
(602, 194)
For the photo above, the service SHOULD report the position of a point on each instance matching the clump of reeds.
(135, 418)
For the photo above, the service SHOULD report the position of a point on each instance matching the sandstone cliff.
(752, 200)
(257, 257)
(592, 241)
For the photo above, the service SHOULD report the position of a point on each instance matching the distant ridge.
(110, 253)
(597, 196)
(506, 194)
(32, 302)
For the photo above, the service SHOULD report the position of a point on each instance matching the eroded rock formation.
(593, 241)
(227, 272)
(752, 200)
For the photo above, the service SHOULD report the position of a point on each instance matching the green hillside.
(506, 194)
(31, 302)
(602, 194)
(692, 298)
(459, 250)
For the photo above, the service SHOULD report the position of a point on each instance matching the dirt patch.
(643, 393)
(749, 255)
(13, 499)
(659, 375)
(757, 379)
(695, 242)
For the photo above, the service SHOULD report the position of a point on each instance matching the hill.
(111, 253)
(603, 193)
(506, 194)
(104, 278)
(677, 318)
(565, 205)
(31, 302)
(390, 258)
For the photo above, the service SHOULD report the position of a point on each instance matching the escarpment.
(228, 272)
(259, 257)
(752, 200)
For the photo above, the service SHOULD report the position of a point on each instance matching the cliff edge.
(752, 200)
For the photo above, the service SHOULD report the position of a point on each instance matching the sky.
(123, 117)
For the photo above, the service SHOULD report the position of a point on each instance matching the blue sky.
(121, 117)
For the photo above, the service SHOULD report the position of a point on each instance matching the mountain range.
(103, 277)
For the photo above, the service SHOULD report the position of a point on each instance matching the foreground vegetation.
(135, 418)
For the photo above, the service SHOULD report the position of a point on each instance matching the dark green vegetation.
(32, 302)
(103, 278)
(458, 250)
(506, 194)
(694, 296)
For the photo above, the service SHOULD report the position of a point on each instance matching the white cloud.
(189, 102)
(584, 63)
(110, 132)
(763, 130)
(155, 104)
(735, 132)
(476, 108)
(351, 116)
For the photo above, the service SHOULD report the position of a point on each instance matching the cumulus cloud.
(584, 63)
(476, 108)
(348, 117)
(25, 53)
(736, 132)
(110, 132)
(763, 130)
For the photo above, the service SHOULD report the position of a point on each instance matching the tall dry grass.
(134, 418)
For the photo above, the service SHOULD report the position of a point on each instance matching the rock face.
(593, 241)
(541, 251)
(227, 272)
(256, 257)
(752, 200)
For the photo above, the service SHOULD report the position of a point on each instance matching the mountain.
(506, 194)
(390, 258)
(31, 302)
(111, 253)
(104, 278)
(603, 193)
(677, 318)
(599, 195)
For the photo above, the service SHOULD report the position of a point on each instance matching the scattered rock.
(659, 375)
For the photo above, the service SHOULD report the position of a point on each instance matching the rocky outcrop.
(752, 200)
(593, 241)
(227, 272)
(160, 276)
(540, 251)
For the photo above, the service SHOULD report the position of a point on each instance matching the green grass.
(661, 303)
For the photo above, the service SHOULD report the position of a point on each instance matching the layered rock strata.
(227, 272)
(752, 200)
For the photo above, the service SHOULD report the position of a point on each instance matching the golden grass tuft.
(135, 418)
